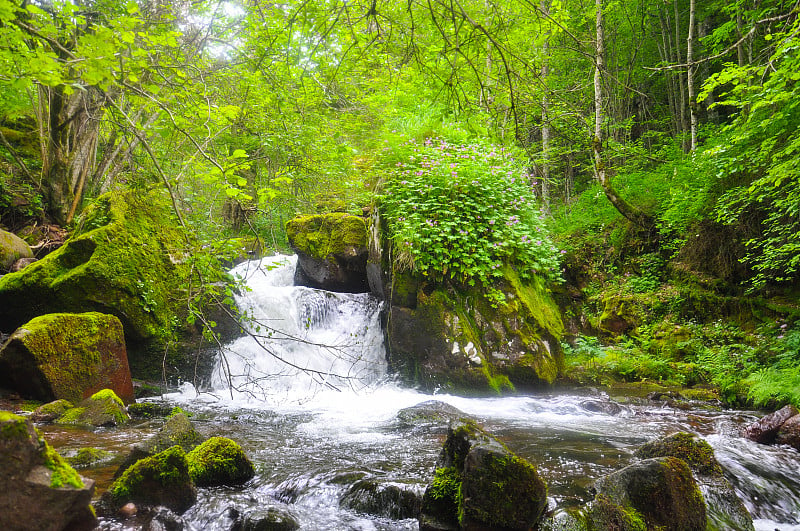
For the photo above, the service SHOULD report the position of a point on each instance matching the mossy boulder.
(458, 339)
(660, 491)
(177, 430)
(12, 248)
(67, 355)
(51, 411)
(104, 408)
(124, 259)
(332, 251)
(219, 461)
(269, 519)
(38, 486)
(90, 457)
(480, 484)
(724, 509)
(162, 479)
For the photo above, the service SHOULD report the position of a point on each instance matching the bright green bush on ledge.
(462, 211)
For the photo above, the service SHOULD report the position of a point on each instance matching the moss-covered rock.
(38, 483)
(124, 259)
(724, 509)
(51, 411)
(219, 461)
(481, 484)
(459, 339)
(177, 430)
(149, 410)
(162, 479)
(332, 251)
(396, 501)
(90, 457)
(12, 248)
(104, 408)
(69, 356)
(662, 492)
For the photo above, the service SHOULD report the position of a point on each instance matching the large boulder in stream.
(765, 430)
(219, 461)
(39, 489)
(481, 484)
(12, 248)
(67, 356)
(126, 258)
(459, 339)
(331, 250)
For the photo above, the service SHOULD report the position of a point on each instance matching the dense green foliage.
(246, 114)
(463, 211)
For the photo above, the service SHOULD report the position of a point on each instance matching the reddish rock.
(65, 355)
(765, 430)
(789, 432)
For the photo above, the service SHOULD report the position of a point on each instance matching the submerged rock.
(431, 412)
(39, 489)
(162, 479)
(104, 408)
(765, 430)
(332, 251)
(219, 461)
(69, 356)
(270, 519)
(481, 484)
(12, 248)
(387, 499)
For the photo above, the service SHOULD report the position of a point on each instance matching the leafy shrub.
(462, 211)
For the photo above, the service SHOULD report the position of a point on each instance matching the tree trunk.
(545, 116)
(634, 215)
(72, 130)
(690, 78)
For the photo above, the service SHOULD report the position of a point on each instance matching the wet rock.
(38, 487)
(431, 412)
(102, 409)
(659, 491)
(480, 484)
(69, 356)
(162, 519)
(90, 458)
(12, 248)
(789, 432)
(723, 507)
(605, 407)
(389, 500)
(21, 264)
(219, 461)
(162, 479)
(270, 519)
(51, 411)
(178, 430)
(149, 410)
(332, 251)
(765, 430)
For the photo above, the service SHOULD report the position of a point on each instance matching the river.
(308, 397)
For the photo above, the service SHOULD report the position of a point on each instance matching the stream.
(308, 397)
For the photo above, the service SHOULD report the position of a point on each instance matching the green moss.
(63, 475)
(166, 469)
(320, 236)
(697, 453)
(72, 416)
(446, 485)
(88, 457)
(219, 461)
(101, 409)
(123, 259)
(55, 408)
(605, 515)
(12, 426)
(498, 382)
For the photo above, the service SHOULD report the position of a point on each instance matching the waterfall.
(299, 340)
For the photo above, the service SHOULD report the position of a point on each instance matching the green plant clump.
(463, 211)
(63, 474)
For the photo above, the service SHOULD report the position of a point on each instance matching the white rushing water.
(306, 393)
